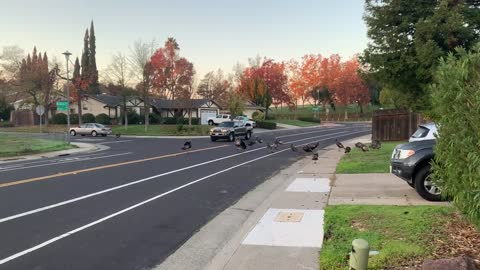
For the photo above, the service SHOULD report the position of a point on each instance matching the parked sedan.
(93, 129)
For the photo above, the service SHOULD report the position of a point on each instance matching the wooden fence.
(24, 118)
(394, 125)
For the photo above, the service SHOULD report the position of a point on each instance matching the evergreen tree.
(77, 83)
(408, 37)
(94, 86)
(85, 59)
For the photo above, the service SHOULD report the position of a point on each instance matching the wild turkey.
(376, 144)
(272, 146)
(187, 145)
(118, 135)
(240, 144)
(315, 156)
(278, 141)
(359, 145)
(258, 140)
(339, 144)
(364, 148)
(348, 149)
(251, 143)
(307, 148)
(294, 149)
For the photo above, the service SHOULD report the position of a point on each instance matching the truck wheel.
(210, 123)
(231, 137)
(425, 187)
(248, 135)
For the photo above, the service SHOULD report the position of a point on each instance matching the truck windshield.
(226, 124)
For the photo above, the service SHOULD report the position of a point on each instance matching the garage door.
(205, 114)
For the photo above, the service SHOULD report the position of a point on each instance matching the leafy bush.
(154, 118)
(309, 119)
(59, 119)
(258, 116)
(88, 118)
(455, 100)
(266, 125)
(103, 119)
(5, 109)
(74, 119)
(180, 121)
(133, 118)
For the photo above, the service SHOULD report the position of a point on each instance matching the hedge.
(179, 121)
(59, 119)
(455, 102)
(309, 119)
(266, 125)
(88, 118)
(103, 119)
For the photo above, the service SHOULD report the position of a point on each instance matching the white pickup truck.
(220, 118)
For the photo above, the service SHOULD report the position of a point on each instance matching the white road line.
(41, 209)
(65, 160)
(19, 254)
(115, 142)
(50, 160)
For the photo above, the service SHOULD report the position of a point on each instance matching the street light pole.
(67, 55)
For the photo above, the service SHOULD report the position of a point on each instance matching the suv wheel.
(94, 133)
(213, 139)
(210, 123)
(425, 186)
(73, 133)
(231, 137)
(248, 135)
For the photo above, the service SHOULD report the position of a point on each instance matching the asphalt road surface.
(132, 205)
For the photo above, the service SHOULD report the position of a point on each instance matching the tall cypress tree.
(94, 88)
(85, 58)
(77, 81)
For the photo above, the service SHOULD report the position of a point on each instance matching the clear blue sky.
(212, 33)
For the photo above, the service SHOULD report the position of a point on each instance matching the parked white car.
(246, 121)
(93, 129)
(220, 118)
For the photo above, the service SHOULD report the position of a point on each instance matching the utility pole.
(67, 55)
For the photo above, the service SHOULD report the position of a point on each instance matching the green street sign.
(62, 106)
(315, 109)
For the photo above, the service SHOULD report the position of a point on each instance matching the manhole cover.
(289, 217)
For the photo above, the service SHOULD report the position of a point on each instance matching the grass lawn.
(163, 130)
(400, 233)
(297, 123)
(373, 161)
(17, 145)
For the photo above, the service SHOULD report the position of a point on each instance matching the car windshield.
(99, 125)
(226, 124)
(421, 132)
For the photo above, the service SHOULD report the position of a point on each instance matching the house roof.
(180, 104)
(111, 101)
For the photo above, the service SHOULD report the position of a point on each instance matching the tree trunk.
(146, 110)
(125, 114)
(79, 108)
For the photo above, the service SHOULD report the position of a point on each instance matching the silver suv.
(229, 130)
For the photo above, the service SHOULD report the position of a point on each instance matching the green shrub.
(133, 118)
(154, 118)
(266, 125)
(88, 118)
(74, 119)
(180, 121)
(59, 119)
(456, 103)
(103, 119)
(258, 116)
(309, 119)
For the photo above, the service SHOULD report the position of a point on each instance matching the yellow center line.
(18, 182)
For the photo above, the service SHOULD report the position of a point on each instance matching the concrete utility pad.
(309, 185)
(374, 189)
(304, 232)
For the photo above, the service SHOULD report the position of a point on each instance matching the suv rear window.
(421, 132)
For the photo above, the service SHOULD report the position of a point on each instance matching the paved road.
(131, 206)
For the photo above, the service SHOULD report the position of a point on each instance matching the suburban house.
(109, 105)
(200, 108)
(249, 109)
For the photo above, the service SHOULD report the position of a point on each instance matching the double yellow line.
(29, 180)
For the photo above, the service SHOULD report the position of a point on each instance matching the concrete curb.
(82, 148)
